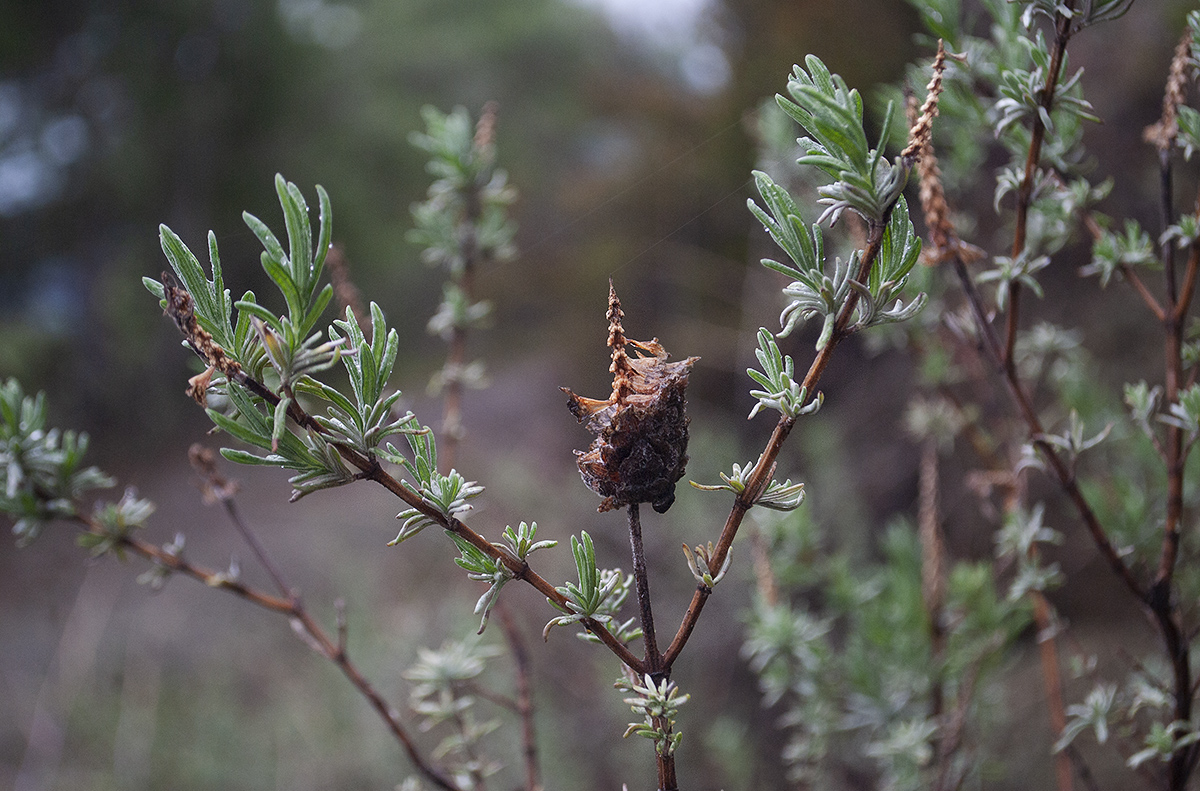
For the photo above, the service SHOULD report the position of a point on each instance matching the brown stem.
(1060, 469)
(760, 478)
(466, 749)
(741, 504)
(1166, 203)
(456, 359)
(933, 579)
(1011, 325)
(1127, 271)
(370, 469)
(1177, 303)
(345, 292)
(516, 645)
(491, 696)
(1131, 276)
(1082, 771)
(1165, 609)
(1062, 34)
(1189, 284)
(1052, 681)
(318, 639)
(1157, 598)
(764, 576)
(641, 580)
(665, 764)
(256, 547)
(664, 759)
(956, 726)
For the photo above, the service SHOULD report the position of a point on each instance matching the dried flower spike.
(640, 450)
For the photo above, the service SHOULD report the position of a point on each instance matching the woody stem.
(641, 578)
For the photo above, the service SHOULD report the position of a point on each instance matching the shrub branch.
(1062, 34)
(760, 478)
(314, 635)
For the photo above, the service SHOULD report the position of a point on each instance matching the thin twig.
(664, 760)
(524, 702)
(1131, 276)
(1052, 680)
(1060, 468)
(370, 469)
(456, 358)
(343, 625)
(345, 291)
(472, 256)
(764, 576)
(491, 696)
(1189, 284)
(1062, 34)
(1082, 770)
(1166, 611)
(933, 581)
(466, 746)
(957, 724)
(291, 608)
(204, 463)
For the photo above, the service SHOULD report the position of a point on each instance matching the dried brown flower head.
(181, 309)
(640, 450)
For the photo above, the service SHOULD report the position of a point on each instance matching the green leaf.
(211, 300)
(274, 250)
(244, 457)
(299, 232)
(280, 422)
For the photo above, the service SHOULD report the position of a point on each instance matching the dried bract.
(181, 309)
(640, 450)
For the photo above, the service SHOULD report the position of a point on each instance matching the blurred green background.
(628, 129)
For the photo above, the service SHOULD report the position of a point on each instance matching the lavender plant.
(878, 667)
(1011, 93)
(264, 371)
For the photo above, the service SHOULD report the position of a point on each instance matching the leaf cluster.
(832, 114)
(1018, 541)
(369, 419)
(1113, 252)
(462, 224)
(446, 494)
(114, 523)
(469, 193)
(480, 566)
(815, 291)
(658, 703)
(850, 671)
(443, 695)
(1139, 707)
(588, 598)
(786, 496)
(283, 352)
(44, 475)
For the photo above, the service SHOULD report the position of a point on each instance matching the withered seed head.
(640, 450)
